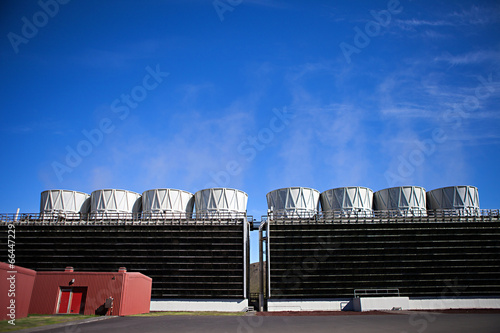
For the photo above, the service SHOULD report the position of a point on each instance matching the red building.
(119, 293)
(16, 284)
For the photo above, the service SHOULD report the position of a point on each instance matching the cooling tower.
(347, 201)
(167, 202)
(457, 200)
(220, 202)
(64, 201)
(401, 201)
(293, 202)
(109, 202)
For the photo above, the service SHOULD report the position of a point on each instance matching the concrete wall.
(454, 303)
(335, 304)
(220, 305)
(380, 303)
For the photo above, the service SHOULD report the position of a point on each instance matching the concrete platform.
(220, 305)
(380, 303)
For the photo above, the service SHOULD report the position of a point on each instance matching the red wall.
(99, 286)
(136, 294)
(24, 279)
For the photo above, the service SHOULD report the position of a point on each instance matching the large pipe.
(261, 266)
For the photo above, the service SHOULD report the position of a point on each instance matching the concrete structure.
(218, 305)
(220, 202)
(64, 201)
(454, 200)
(109, 202)
(168, 202)
(313, 304)
(89, 293)
(380, 303)
(401, 201)
(347, 201)
(293, 202)
(445, 303)
(16, 285)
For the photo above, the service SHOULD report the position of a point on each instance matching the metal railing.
(63, 218)
(376, 292)
(395, 216)
(205, 217)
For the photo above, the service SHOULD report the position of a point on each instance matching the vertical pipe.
(261, 271)
(245, 256)
(268, 261)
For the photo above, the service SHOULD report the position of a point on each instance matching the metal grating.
(185, 260)
(423, 257)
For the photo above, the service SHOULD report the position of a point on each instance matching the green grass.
(42, 320)
(38, 320)
(184, 313)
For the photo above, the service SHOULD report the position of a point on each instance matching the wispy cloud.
(408, 111)
(470, 58)
(435, 35)
(265, 3)
(415, 102)
(325, 146)
(476, 15)
(199, 148)
(417, 23)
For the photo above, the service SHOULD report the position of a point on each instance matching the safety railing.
(123, 218)
(363, 216)
(376, 292)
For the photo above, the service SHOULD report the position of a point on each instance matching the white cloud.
(435, 28)
(264, 3)
(325, 146)
(470, 58)
(414, 102)
(475, 15)
(134, 158)
(197, 149)
(408, 24)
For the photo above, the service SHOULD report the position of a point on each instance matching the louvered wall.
(325, 259)
(184, 260)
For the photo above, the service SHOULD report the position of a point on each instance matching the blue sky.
(250, 94)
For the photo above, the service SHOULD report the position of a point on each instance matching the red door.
(72, 300)
(64, 301)
(76, 301)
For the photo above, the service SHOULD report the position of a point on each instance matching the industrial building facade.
(420, 257)
(433, 258)
(195, 259)
(427, 250)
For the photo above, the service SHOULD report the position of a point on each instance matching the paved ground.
(419, 322)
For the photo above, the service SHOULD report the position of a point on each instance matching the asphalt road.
(397, 323)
